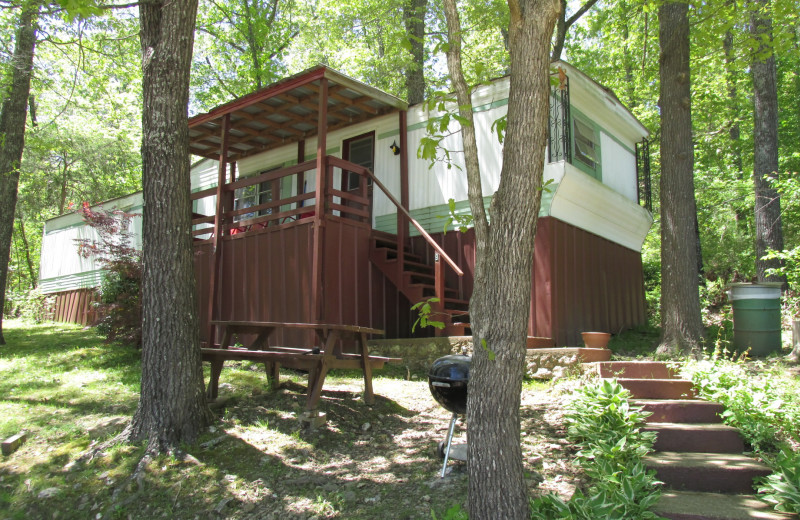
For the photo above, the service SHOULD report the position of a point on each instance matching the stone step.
(681, 410)
(689, 505)
(587, 355)
(658, 388)
(708, 438)
(635, 369)
(706, 472)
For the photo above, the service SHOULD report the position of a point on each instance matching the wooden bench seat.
(317, 361)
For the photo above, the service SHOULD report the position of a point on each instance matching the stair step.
(658, 388)
(636, 370)
(390, 253)
(681, 410)
(413, 277)
(706, 472)
(690, 505)
(410, 264)
(708, 438)
(431, 289)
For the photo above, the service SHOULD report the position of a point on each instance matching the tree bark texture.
(12, 137)
(501, 298)
(414, 18)
(172, 405)
(769, 230)
(681, 324)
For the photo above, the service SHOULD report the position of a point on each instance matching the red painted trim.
(223, 159)
(321, 188)
(402, 223)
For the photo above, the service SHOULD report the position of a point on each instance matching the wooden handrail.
(335, 161)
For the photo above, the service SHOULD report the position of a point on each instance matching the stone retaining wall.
(418, 355)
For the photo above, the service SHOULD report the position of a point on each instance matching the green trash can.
(756, 317)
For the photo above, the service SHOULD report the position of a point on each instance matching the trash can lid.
(755, 291)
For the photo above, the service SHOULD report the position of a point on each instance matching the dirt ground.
(380, 461)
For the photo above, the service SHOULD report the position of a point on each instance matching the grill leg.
(449, 440)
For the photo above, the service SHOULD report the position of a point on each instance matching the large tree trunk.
(172, 405)
(12, 137)
(769, 231)
(681, 324)
(414, 17)
(500, 301)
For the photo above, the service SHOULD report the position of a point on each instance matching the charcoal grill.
(447, 380)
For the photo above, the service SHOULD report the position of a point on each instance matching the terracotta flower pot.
(596, 339)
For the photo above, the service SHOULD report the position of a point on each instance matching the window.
(254, 195)
(586, 145)
(359, 150)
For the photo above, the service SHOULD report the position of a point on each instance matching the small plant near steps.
(698, 458)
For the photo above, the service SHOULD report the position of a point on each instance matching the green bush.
(32, 306)
(782, 488)
(766, 410)
(761, 408)
(611, 445)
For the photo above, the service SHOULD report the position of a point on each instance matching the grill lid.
(447, 381)
(454, 368)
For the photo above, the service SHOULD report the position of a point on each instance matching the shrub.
(611, 445)
(782, 488)
(765, 409)
(761, 408)
(120, 307)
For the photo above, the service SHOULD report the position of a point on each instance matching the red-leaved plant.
(120, 306)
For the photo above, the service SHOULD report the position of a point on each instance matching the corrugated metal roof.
(286, 112)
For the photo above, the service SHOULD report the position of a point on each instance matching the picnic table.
(317, 360)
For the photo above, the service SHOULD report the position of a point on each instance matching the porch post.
(317, 291)
(215, 269)
(402, 222)
(301, 177)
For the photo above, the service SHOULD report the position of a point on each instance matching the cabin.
(310, 204)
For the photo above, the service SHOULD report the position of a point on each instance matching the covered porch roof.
(287, 112)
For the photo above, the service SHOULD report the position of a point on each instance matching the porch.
(302, 248)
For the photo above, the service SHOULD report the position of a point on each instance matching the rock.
(365, 427)
(48, 493)
(222, 504)
(543, 373)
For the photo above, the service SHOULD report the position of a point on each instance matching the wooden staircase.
(700, 460)
(417, 281)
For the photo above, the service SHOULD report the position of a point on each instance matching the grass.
(68, 389)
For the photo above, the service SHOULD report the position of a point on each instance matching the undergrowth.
(607, 431)
(765, 406)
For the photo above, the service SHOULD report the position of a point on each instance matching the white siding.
(61, 267)
(619, 168)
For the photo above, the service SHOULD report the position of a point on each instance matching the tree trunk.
(414, 17)
(563, 24)
(500, 301)
(172, 405)
(12, 137)
(28, 259)
(769, 231)
(681, 324)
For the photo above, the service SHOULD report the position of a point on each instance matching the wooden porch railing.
(440, 253)
(352, 204)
